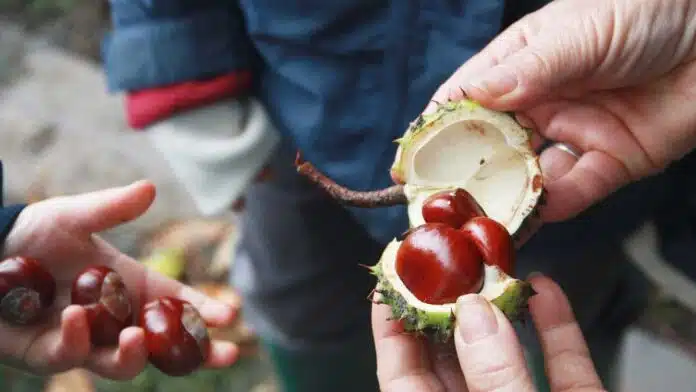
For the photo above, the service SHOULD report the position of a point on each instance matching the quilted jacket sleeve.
(161, 42)
(8, 214)
(187, 68)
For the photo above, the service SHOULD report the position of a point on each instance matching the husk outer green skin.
(439, 326)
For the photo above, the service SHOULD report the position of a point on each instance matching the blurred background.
(61, 133)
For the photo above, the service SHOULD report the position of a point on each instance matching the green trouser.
(353, 368)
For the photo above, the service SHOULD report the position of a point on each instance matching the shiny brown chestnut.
(438, 264)
(451, 208)
(102, 293)
(176, 336)
(493, 241)
(27, 290)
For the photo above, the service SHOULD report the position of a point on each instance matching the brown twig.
(394, 195)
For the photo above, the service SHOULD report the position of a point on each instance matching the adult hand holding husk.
(615, 82)
(486, 355)
(614, 79)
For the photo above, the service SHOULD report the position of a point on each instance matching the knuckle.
(576, 365)
(542, 65)
(496, 376)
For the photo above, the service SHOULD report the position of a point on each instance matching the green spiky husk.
(438, 323)
(439, 326)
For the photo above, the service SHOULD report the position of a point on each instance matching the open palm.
(615, 79)
(62, 233)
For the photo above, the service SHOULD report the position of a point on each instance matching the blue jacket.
(8, 214)
(340, 79)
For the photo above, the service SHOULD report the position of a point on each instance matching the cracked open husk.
(487, 153)
(460, 145)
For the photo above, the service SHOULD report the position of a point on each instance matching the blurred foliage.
(44, 6)
(52, 5)
(12, 380)
(243, 376)
(34, 13)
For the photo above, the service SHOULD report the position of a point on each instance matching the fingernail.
(534, 274)
(497, 81)
(475, 318)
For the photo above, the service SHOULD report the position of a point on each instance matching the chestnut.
(27, 289)
(103, 294)
(438, 263)
(451, 208)
(176, 336)
(493, 241)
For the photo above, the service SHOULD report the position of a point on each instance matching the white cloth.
(217, 150)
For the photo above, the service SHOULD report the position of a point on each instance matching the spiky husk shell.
(437, 322)
(464, 145)
(509, 294)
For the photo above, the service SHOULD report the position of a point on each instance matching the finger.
(215, 313)
(104, 209)
(592, 127)
(402, 360)
(445, 364)
(123, 362)
(568, 363)
(555, 163)
(151, 285)
(222, 354)
(595, 176)
(502, 46)
(612, 157)
(547, 65)
(62, 348)
(490, 355)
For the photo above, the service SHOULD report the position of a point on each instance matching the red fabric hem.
(143, 108)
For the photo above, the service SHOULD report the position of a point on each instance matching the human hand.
(486, 354)
(61, 232)
(614, 79)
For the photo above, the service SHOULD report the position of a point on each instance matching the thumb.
(533, 74)
(101, 210)
(490, 355)
(537, 58)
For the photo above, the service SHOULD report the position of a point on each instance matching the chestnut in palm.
(103, 294)
(27, 290)
(175, 335)
(451, 208)
(438, 263)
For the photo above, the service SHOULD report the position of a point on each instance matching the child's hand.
(61, 233)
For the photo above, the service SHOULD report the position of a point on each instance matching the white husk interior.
(485, 152)
(495, 281)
